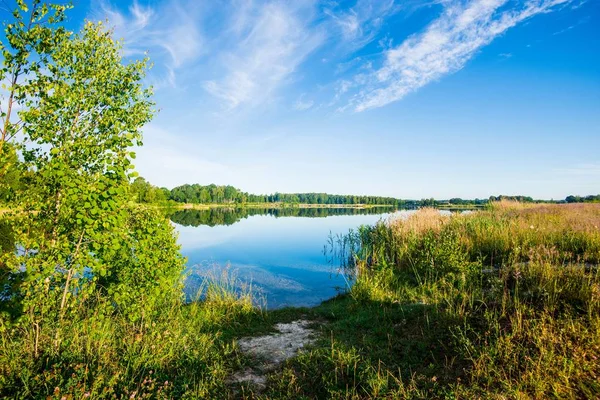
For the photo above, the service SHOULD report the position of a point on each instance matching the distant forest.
(145, 192)
(214, 194)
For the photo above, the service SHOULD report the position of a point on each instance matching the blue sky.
(413, 99)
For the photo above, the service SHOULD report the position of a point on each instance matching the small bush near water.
(502, 303)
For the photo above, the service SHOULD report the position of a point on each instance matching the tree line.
(144, 192)
(581, 199)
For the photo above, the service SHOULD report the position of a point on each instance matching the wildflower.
(86, 394)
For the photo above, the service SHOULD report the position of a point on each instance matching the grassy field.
(502, 303)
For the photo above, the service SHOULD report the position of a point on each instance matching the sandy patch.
(273, 350)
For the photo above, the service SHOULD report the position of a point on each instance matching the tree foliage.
(79, 241)
(199, 194)
(145, 192)
(521, 199)
(583, 199)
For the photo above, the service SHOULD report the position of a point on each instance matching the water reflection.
(281, 259)
(230, 216)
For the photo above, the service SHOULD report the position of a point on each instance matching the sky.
(412, 99)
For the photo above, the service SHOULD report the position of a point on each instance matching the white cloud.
(360, 24)
(444, 47)
(568, 28)
(579, 4)
(169, 32)
(257, 47)
(302, 104)
(271, 41)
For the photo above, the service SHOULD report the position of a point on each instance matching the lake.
(278, 253)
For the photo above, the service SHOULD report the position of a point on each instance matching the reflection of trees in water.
(211, 217)
(229, 216)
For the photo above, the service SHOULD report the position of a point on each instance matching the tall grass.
(501, 303)
(186, 352)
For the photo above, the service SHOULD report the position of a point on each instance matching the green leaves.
(81, 111)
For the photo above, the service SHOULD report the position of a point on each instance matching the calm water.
(280, 257)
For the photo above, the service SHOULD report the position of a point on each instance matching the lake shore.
(495, 304)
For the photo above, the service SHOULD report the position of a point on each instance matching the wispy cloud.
(568, 28)
(444, 47)
(260, 46)
(360, 24)
(302, 104)
(579, 4)
(270, 41)
(169, 31)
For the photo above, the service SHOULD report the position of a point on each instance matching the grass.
(178, 355)
(504, 303)
(460, 207)
(185, 352)
(501, 303)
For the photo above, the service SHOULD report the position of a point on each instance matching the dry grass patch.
(425, 219)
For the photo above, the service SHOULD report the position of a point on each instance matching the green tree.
(12, 178)
(144, 192)
(81, 110)
(26, 48)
